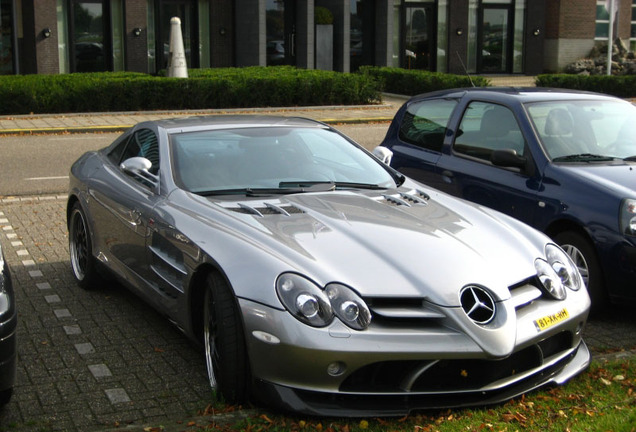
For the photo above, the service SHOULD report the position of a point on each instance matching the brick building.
(477, 36)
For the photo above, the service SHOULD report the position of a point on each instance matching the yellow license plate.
(550, 320)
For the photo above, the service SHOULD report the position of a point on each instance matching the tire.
(584, 256)
(80, 248)
(224, 340)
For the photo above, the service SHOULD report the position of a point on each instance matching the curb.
(123, 127)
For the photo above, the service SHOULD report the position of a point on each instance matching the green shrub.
(322, 15)
(204, 89)
(621, 86)
(412, 82)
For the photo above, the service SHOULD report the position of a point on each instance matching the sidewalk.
(119, 121)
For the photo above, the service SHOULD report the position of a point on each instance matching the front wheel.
(225, 352)
(80, 249)
(584, 257)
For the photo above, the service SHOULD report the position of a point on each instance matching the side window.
(424, 123)
(486, 127)
(143, 143)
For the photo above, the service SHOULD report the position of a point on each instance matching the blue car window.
(425, 122)
(486, 127)
(578, 127)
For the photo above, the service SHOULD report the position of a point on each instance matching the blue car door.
(466, 169)
(420, 132)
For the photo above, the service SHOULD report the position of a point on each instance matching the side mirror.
(135, 164)
(508, 158)
(139, 167)
(383, 154)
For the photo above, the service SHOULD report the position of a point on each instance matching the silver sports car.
(318, 279)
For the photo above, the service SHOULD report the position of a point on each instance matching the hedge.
(623, 86)
(411, 82)
(205, 88)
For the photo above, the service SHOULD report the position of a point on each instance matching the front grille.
(430, 376)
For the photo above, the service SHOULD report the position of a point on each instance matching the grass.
(601, 399)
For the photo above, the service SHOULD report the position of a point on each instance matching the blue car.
(8, 325)
(561, 161)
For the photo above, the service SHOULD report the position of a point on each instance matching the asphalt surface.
(102, 359)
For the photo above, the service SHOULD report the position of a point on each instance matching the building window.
(602, 21)
(6, 37)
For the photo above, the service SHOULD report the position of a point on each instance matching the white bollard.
(177, 65)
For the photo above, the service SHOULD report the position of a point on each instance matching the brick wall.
(46, 52)
(136, 46)
(222, 33)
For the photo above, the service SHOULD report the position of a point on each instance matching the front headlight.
(628, 217)
(315, 307)
(348, 306)
(557, 272)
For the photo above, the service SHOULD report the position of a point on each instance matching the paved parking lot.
(100, 359)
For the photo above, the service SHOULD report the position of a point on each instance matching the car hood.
(402, 243)
(615, 178)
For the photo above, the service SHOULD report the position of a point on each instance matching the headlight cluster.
(317, 307)
(557, 272)
(628, 217)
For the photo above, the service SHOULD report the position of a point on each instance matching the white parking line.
(47, 178)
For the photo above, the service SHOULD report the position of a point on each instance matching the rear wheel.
(225, 352)
(80, 249)
(584, 257)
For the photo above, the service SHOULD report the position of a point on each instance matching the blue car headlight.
(628, 217)
(317, 307)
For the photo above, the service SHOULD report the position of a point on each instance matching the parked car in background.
(317, 278)
(8, 327)
(563, 162)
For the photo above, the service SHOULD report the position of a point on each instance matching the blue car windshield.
(272, 159)
(585, 130)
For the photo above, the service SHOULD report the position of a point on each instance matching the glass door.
(494, 54)
(89, 24)
(185, 10)
(419, 37)
(280, 25)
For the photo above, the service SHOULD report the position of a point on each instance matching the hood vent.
(269, 209)
(414, 197)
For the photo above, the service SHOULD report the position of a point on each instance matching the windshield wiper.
(323, 186)
(250, 192)
(583, 157)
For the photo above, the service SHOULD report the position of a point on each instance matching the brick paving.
(87, 360)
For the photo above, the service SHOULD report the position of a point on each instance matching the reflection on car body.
(561, 161)
(317, 278)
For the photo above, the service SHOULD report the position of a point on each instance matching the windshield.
(272, 160)
(585, 129)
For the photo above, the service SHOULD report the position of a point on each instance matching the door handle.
(448, 176)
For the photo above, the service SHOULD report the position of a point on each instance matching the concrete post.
(177, 66)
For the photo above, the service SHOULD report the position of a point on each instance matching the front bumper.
(397, 405)
(391, 369)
